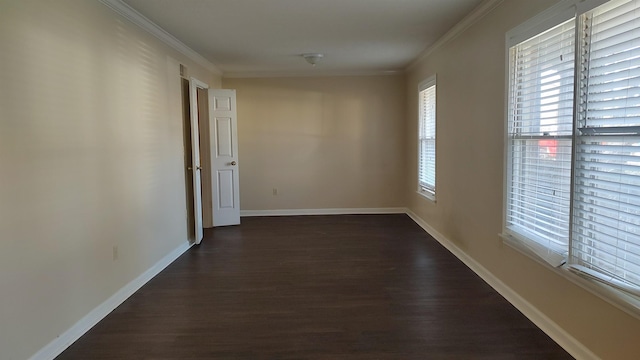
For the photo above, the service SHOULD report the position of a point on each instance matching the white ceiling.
(261, 37)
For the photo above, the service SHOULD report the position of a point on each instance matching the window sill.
(620, 299)
(427, 195)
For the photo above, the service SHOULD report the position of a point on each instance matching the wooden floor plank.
(316, 287)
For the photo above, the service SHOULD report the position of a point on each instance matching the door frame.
(196, 168)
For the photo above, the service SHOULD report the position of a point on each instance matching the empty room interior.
(371, 156)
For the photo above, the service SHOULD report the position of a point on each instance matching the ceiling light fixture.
(312, 58)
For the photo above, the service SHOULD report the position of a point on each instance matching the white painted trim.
(427, 195)
(555, 15)
(62, 342)
(300, 212)
(430, 81)
(310, 73)
(618, 298)
(536, 24)
(476, 15)
(196, 161)
(558, 334)
(146, 24)
(143, 22)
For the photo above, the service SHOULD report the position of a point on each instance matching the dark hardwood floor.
(316, 287)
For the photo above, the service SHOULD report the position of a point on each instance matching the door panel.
(224, 137)
(224, 157)
(225, 189)
(223, 102)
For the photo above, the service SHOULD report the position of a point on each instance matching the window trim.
(558, 13)
(555, 15)
(545, 20)
(618, 298)
(424, 192)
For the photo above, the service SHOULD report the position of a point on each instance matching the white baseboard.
(559, 335)
(555, 332)
(299, 212)
(57, 346)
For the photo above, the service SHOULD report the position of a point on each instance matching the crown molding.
(308, 73)
(476, 15)
(143, 22)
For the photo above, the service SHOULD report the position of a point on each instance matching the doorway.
(195, 100)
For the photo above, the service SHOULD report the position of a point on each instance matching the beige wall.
(331, 142)
(471, 78)
(91, 157)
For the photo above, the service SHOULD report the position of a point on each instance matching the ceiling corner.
(476, 15)
(143, 22)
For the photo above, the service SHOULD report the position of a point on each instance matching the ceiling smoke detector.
(312, 58)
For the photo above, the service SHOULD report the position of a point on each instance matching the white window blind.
(427, 137)
(606, 219)
(540, 124)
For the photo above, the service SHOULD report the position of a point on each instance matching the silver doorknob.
(198, 167)
(189, 168)
(233, 163)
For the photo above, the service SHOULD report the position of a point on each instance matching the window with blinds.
(427, 138)
(606, 219)
(573, 146)
(539, 138)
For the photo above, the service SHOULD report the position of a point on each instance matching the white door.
(196, 167)
(223, 128)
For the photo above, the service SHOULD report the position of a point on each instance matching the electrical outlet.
(115, 252)
(275, 192)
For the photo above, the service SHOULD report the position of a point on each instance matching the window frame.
(526, 31)
(425, 84)
(546, 20)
